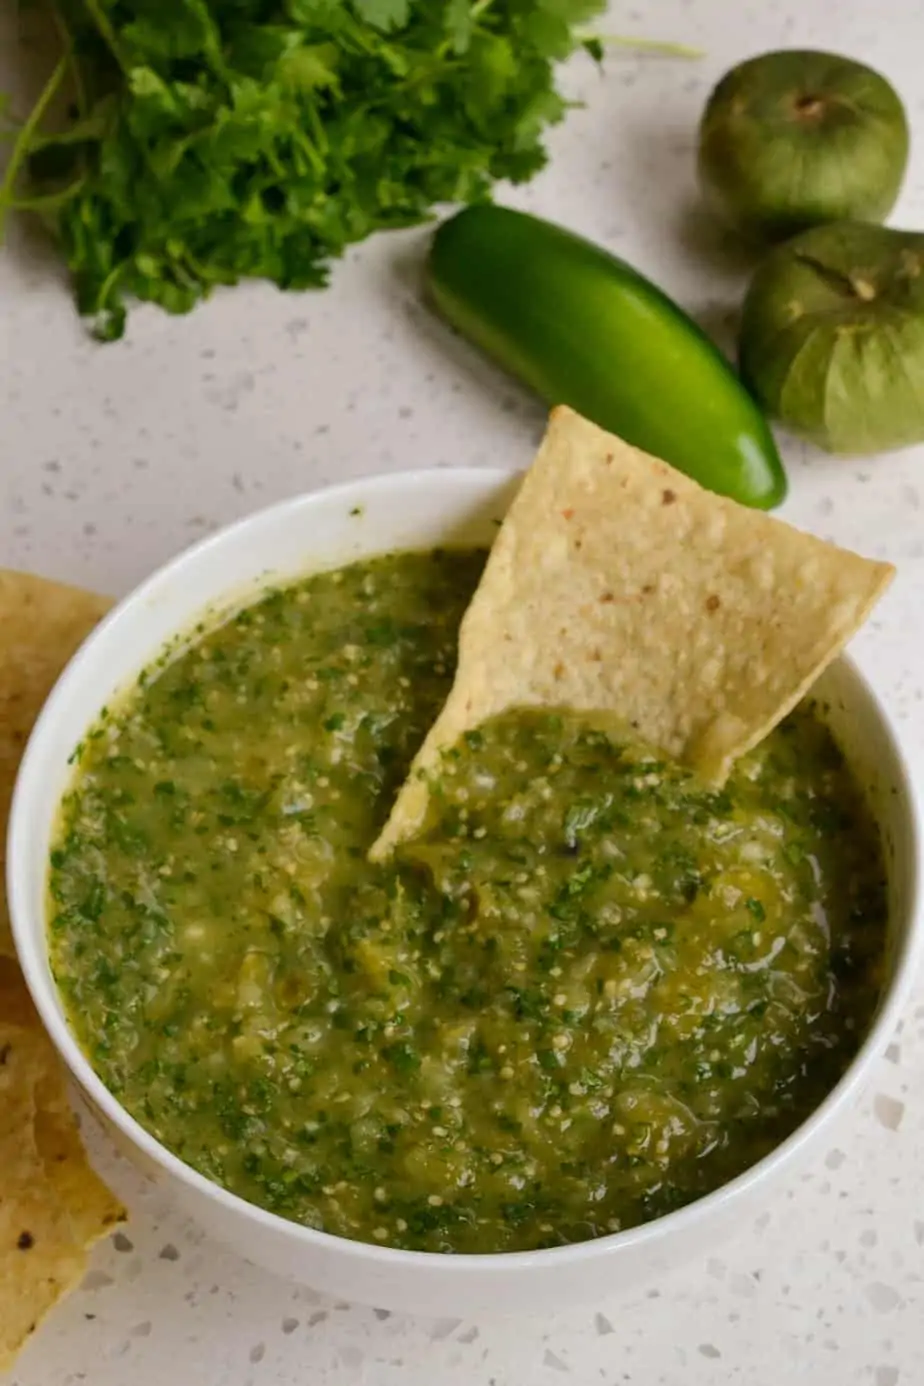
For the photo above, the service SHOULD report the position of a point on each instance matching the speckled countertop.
(114, 458)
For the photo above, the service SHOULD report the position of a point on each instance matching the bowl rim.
(30, 941)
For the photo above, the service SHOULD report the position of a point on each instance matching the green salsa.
(589, 992)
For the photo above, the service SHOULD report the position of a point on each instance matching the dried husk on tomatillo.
(832, 337)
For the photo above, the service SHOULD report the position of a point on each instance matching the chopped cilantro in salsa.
(589, 992)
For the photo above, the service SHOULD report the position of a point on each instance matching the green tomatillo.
(797, 138)
(832, 337)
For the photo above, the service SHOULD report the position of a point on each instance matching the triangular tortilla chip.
(41, 625)
(53, 1206)
(617, 586)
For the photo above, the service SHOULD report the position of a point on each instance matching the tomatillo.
(832, 336)
(797, 138)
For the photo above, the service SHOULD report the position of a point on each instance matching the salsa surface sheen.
(590, 991)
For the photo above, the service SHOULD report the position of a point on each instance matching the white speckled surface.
(114, 458)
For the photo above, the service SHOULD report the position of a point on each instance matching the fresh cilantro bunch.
(211, 140)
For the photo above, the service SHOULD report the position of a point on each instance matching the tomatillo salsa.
(589, 992)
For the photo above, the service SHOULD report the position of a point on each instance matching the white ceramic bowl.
(414, 510)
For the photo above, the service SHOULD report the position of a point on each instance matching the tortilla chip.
(92, 1208)
(53, 1206)
(620, 588)
(41, 625)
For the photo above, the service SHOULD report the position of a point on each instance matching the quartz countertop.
(116, 457)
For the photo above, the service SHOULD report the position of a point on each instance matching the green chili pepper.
(583, 328)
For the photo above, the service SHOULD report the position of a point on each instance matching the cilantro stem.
(661, 47)
(67, 45)
(46, 202)
(107, 33)
(20, 150)
(320, 146)
(108, 284)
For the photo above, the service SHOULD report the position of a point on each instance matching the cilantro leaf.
(383, 14)
(459, 23)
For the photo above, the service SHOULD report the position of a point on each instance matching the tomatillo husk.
(797, 138)
(832, 337)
